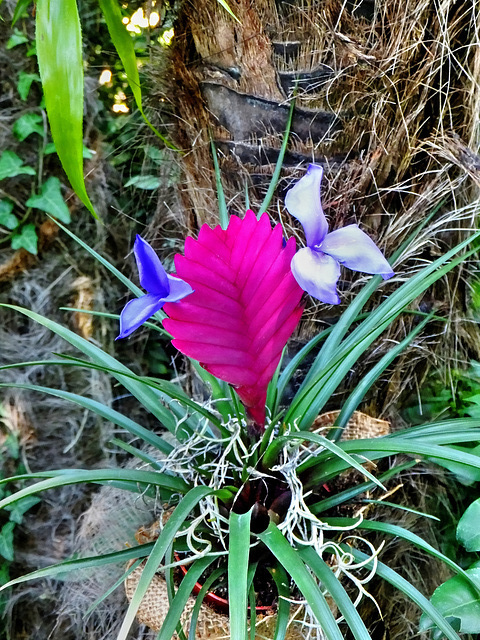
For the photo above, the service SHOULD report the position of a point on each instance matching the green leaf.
(98, 408)
(26, 239)
(148, 397)
(148, 183)
(28, 124)
(238, 552)
(464, 474)
(395, 579)
(457, 601)
(468, 529)
(222, 203)
(310, 590)
(11, 165)
(25, 82)
(20, 10)
(182, 511)
(226, 6)
(177, 606)
(6, 541)
(124, 45)
(51, 148)
(336, 590)
(59, 52)
(51, 201)
(7, 219)
(65, 477)
(15, 39)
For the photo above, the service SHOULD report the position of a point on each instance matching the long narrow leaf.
(59, 54)
(401, 532)
(146, 396)
(281, 579)
(212, 578)
(124, 45)
(348, 316)
(311, 591)
(377, 448)
(369, 379)
(116, 557)
(103, 411)
(176, 520)
(63, 478)
(238, 552)
(336, 590)
(409, 590)
(275, 447)
(185, 589)
(348, 494)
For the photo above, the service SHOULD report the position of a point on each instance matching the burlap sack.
(212, 625)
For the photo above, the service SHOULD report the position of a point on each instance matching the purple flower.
(161, 288)
(316, 268)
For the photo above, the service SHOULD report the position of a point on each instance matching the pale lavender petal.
(353, 248)
(303, 202)
(153, 276)
(317, 274)
(178, 289)
(137, 311)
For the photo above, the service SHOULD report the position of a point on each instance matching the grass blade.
(63, 478)
(238, 552)
(311, 591)
(279, 164)
(59, 54)
(185, 589)
(369, 380)
(329, 580)
(212, 578)
(275, 447)
(176, 520)
(146, 396)
(124, 45)
(103, 411)
(92, 562)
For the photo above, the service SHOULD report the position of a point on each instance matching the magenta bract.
(245, 305)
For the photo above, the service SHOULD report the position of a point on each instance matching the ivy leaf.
(28, 124)
(24, 84)
(458, 602)
(144, 182)
(6, 541)
(11, 165)
(18, 509)
(468, 529)
(51, 200)
(26, 239)
(7, 219)
(15, 39)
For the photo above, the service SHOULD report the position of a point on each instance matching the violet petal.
(137, 311)
(353, 248)
(153, 276)
(303, 202)
(178, 289)
(317, 274)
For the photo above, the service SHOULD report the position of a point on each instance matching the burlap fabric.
(213, 625)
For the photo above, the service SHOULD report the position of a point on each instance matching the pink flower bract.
(245, 305)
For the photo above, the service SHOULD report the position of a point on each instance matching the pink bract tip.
(245, 305)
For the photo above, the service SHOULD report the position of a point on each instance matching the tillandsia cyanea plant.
(251, 476)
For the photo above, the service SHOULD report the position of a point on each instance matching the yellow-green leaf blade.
(59, 53)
